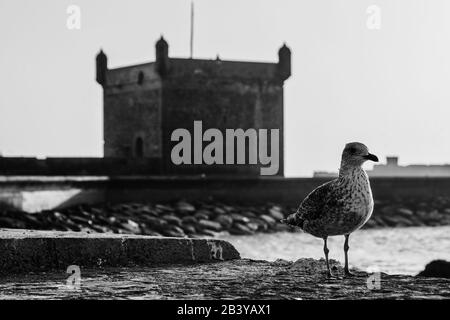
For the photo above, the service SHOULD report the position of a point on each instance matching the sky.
(388, 88)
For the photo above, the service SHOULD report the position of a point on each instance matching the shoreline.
(199, 219)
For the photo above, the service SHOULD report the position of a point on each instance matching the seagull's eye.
(352, 150)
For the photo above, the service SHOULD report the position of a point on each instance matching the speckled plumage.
(340, 206)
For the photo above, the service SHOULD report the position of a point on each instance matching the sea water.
(390, 250)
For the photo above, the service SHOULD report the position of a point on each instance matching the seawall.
(33, 194)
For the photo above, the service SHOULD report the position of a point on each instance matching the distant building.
(324, 174)
(392, 169)
(145, 103)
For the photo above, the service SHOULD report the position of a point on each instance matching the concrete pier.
(29, 250)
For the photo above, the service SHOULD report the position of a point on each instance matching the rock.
(154, 234)
(239, 228)
(155, 223)
(371, 223)
(218, 210)
(205, 212)
(149, 211)
(422, 214)
(313, 266)
(405, 222)
(6, 222)
(276, 213)
(240, 218)
(417, 221)
(82, 220)
(147, 231)
(249, 214)
(388, 211)
(253, 226)
(102, 229)
(172, 219)
(184, 206)
(189, 219)
(281, 227)
(267, 219)
(432, 218)
(224, 220)
(102, 219)
(201, 216)
(262, 225)
(72, 225)
(390, 221)
(436, 269)
(32, 220)
(229, 208)
(378, 220)
(173, 233)
(131, 226)
(113, 221)
(176, 229)
(405, 212)
(189, 229)
(282, 262)
(208, 224)
(164, 208)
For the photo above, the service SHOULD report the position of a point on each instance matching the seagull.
(340, 206)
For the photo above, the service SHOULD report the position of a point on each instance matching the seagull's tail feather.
(293, 219)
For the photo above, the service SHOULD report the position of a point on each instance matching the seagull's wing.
(318, 202)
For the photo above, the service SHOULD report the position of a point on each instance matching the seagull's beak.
(371, 157)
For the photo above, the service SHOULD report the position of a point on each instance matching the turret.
(102, 67)
(284, 62)
(162, 56)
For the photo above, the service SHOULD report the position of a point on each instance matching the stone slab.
(32, 250)
(235, 279)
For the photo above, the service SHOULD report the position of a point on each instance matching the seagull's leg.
(325, 250)
(346, 247)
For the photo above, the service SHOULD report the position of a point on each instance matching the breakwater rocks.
(411, 212)
(209, 219)
(234, 279)
(436, 269)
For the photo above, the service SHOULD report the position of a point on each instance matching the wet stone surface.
(304, 279)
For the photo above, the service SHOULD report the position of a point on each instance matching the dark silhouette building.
(145, 103)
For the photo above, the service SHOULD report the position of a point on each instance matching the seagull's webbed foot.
(348, 274)
(333, 276)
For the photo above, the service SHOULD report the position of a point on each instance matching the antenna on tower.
(192, 29)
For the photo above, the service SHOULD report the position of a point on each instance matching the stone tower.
(145, 103)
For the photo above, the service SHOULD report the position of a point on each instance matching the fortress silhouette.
(143, 104)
